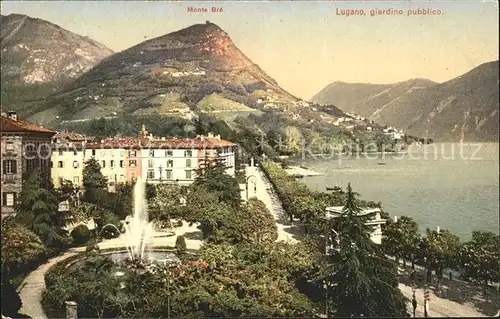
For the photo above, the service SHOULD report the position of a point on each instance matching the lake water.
(452, 186)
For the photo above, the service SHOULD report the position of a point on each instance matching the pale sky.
(303, 45)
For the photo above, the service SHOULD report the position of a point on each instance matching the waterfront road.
(456, 299)
(265, 192)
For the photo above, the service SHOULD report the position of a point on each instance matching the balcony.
(9, 153)
(9, 178)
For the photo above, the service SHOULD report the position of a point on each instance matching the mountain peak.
(196, 68)
(203, 37)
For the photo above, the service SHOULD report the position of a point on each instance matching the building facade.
(158, 160)
(376, 222)
(25, 147)
(67, 158)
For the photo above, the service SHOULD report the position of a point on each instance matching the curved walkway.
(33, 285)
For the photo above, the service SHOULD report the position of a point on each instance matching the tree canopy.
(357, 273)
(38, 210)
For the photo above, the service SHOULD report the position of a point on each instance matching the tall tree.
(94, 183)
(480, 258)
(166, 203)
(400, 238)
(38, 210)
(441, 251)
(213, 176)
(359, 279)
(204, 206)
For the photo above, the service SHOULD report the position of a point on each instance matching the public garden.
(218, 256)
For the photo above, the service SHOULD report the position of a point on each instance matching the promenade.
(455, 299)
(265, 192)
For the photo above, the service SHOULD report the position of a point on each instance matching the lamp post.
(254, 185)
(414, 301)
(425, 288)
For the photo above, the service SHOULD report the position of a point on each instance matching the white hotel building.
(156, 160)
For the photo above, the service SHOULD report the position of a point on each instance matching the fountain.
(139, 229)
(138, 236)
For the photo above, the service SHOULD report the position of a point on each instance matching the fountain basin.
(154, 256)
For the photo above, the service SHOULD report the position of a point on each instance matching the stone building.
(25, 146)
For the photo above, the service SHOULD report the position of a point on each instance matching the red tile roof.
(193, 143)
(10, 125)
(174, 143)
(70, 136)
(115, 142)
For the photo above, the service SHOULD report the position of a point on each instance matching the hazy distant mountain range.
(464, 108)
(39, 57)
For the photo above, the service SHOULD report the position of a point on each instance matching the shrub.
(11, 302)
(81, 235)
(179, 223)
(180, 244)
(109, 232)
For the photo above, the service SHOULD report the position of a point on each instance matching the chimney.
(12, 115)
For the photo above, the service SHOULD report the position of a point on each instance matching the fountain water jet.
(139, 229)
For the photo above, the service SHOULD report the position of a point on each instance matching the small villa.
(376, 222)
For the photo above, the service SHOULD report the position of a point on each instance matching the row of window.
(9, 146)
(131, 153)
(121, 163)
(170, 163)
(31, 147)
(168, 174)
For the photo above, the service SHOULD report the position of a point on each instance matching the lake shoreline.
(459, 194)
(300, 171)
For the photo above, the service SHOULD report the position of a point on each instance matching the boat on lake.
(335, 188)
(381, 163)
